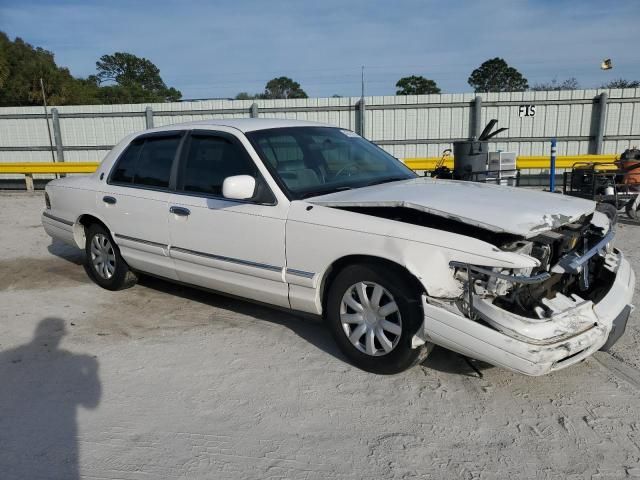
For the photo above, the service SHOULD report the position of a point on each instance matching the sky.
(217, 48)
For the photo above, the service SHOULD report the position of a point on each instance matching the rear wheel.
(373, 313)
(103, 262)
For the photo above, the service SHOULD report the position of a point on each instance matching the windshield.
(310, 161)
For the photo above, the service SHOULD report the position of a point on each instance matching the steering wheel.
(348, 165)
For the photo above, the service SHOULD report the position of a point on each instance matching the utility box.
(501, 168)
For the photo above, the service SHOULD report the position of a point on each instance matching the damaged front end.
(574, 302)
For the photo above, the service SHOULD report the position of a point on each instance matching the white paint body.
(282, 253)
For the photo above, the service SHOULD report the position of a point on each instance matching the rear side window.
(125, 168)
(147, 162)
(212, 159)
(154, 163)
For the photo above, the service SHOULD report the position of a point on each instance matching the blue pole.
(552, 171)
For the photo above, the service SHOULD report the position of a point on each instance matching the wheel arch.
(81, 225)
(341, 263)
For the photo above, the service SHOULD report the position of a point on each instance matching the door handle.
(180, 211)
(109, 200)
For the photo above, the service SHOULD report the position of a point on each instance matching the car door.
(135, 201)
(233, 246)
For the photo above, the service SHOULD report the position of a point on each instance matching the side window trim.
(182, 165)
(182, 134)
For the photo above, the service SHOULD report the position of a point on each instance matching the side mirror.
(239, 187)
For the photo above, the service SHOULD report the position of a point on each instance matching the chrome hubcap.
(103, 258)
(370, 318)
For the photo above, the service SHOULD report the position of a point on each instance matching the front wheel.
(103, 262)
(373, 313)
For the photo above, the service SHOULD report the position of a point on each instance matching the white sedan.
(317, 219)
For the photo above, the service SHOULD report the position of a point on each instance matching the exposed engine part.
(571, 263)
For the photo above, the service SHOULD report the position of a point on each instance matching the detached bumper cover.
(531, 356)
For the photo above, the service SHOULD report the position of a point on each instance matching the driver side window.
(210, 160)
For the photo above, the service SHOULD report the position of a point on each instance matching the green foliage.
(22, 66)
(136, 79)
(568, 84)
(622, 83)
(4, 60)
(283, 87)
(247, 96)
(416, 85)
(495, 75)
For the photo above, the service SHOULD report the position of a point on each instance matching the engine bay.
(552, 248)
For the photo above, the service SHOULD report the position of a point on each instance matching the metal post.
(360, 117)
(602, 122)
(28, 180)
(57, 134)
(46, 117)
(552, 170)
(362, 108)
(476, 118)
(253, 110)
(148, 114)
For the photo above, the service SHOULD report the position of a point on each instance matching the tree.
(138, 78)
(127, 77)
(622, 83)
(416, 85)
(495, 75)
(283, 87)
(568, 84)
(21, 68)
(247, 96)
(4, 61)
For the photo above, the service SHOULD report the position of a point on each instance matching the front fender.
(318, 237)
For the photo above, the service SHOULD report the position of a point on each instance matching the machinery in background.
(614, 185)
(472, 161)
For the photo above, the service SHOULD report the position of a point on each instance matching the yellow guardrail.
(28, 169)
(523, 162)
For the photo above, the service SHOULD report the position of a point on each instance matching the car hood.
(518, 211)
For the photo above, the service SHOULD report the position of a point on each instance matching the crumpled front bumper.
(477, 340)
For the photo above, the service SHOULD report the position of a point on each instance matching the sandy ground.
(162, 381)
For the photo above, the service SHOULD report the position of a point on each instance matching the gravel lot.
(162, 381)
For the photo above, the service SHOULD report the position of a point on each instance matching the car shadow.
(42, 388)
(628, 221)
(66, 252)
(447, 361)
(308, 327)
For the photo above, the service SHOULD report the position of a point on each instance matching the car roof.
(244, 124)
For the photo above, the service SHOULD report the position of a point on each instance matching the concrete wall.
(407, 126)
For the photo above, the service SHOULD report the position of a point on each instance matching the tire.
(609, 210)
(103, 262)
(633, 214)
(381, 336)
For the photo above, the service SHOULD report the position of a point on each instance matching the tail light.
(47, 201)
